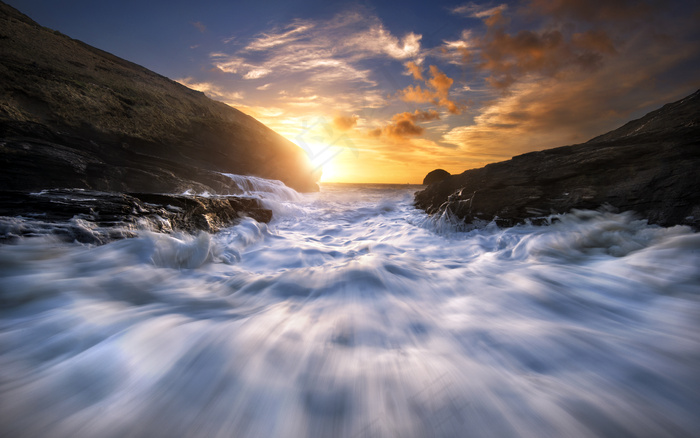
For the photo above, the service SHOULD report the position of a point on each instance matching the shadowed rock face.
(99, 217)
(74, 116)
(649, 166)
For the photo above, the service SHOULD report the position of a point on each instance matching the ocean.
(353, 314)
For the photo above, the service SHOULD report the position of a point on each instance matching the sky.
(385, 92)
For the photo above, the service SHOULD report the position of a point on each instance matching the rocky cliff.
(74, 116)
(649, 166)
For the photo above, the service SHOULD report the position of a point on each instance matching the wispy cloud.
(212, 90)
(478, 11)
(377, 40)
(200, 27)
(274, 39)
(330, 51)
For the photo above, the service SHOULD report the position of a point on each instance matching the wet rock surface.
(99, 217)
(649, 166)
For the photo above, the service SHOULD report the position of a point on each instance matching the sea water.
(352, 314)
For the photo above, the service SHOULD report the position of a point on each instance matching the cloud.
(540, 113)
(345, 123)
(478, 11)
(537, 76)
(414, 70)
(404, 125)
(609, 10)
(417, 94)
(200, 27)
(418, 116)
(229, 64)
(257, 73)
(508, 57)
(437, 91)
(595, 40)
(460, 51)
(330, 51)
(439, 82)
(576, 70)
(377, 40)
(273, 39)
(211, 90)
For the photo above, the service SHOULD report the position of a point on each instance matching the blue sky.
(387, 91)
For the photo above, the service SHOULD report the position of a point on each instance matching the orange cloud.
(437, 92)
(439, 82)
(416, 94)
(402, 129)
(345, 123)
(417, 116)
(404, 125)
(415, 70)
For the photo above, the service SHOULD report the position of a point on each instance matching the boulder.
(436, 175)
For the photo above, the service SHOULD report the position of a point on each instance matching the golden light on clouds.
(372, 106)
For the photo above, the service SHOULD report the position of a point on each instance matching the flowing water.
(352, 314)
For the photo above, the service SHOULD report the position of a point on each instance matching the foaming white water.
(274, 194)
(261, 186)
(353, 315)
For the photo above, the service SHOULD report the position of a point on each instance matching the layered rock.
(73, 116)
(99, 217)
(649, 166)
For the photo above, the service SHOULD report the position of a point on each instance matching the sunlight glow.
(324, 156)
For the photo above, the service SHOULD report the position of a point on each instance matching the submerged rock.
(99, 217)
(74, 116)
(649, 166)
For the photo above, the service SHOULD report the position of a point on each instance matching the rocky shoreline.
(649, 166)
(89, 142)
(96, 217)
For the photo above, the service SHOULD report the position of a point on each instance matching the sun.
(325, 157)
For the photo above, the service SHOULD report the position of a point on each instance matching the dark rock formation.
(436, 175)
(98, 217)
(73, 116)
(649, 166)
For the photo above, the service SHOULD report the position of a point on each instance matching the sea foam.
(353, 314)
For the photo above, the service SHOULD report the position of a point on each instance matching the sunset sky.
(386, 92)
